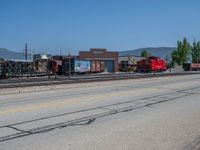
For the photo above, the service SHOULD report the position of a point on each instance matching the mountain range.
(162, 52)
(7, 54)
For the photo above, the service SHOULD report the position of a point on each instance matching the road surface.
(144, 114)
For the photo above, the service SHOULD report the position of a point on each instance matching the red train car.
(56, 67)
(97, 66)
(151, 64)
(56, 64)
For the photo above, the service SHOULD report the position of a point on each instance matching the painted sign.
(81, 65)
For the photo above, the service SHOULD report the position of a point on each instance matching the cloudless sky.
(73, 25)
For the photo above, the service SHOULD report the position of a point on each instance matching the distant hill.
(155, 51)
(7, 54)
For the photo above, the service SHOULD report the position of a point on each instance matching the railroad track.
(44, 81)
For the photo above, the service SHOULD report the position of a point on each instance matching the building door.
(109, 65)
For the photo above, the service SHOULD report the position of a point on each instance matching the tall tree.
(145, 53)
(175, 58)
(182, 53)
(195, 52)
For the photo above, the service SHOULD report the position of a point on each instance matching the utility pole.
(69, 65)
(26, 52)
(26, 58)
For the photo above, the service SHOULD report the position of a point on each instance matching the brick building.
(109, 59)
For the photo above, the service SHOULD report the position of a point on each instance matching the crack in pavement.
(91, 118)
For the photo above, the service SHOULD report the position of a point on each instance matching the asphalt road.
(153, 114)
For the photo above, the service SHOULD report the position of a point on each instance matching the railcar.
(2, 68)
(75, 66)
(191, 66)
(97, 66)
(151, 64)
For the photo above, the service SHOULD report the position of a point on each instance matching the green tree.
(144, 53)
(175, 58)
(195, 52)
(182, 53)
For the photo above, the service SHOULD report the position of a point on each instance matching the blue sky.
(73, 25)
